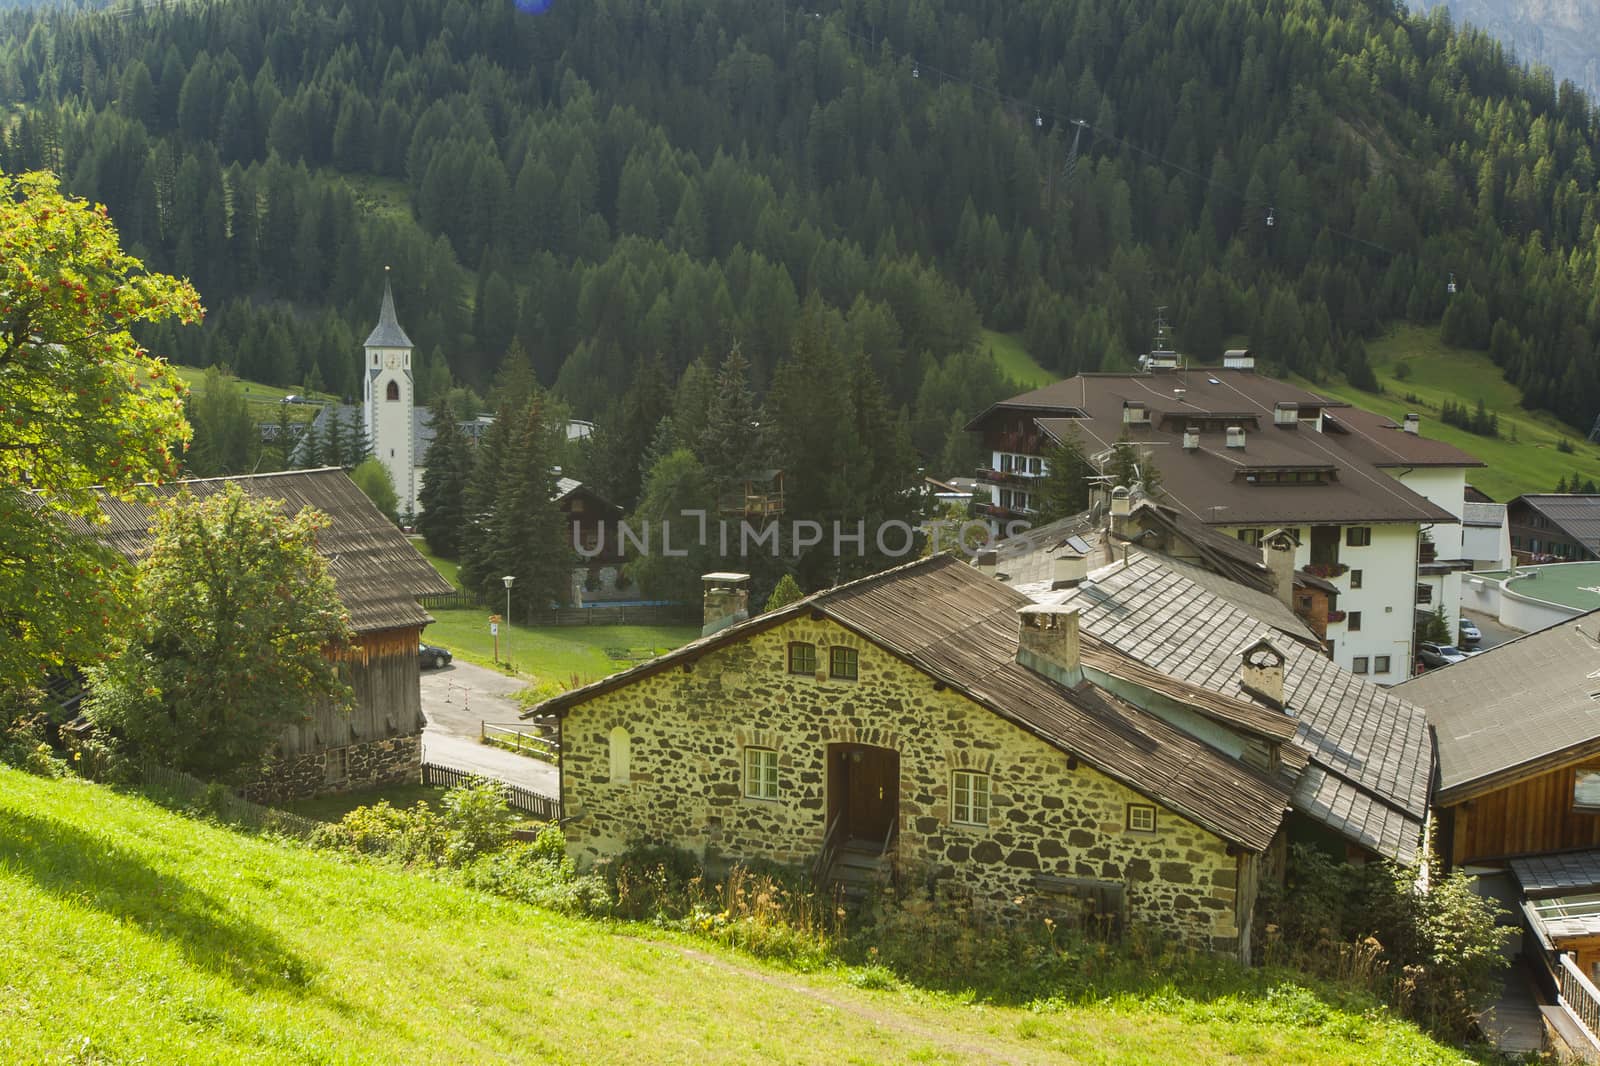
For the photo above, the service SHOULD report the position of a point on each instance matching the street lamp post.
(508, 579)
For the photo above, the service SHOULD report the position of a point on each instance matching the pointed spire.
(388, 334)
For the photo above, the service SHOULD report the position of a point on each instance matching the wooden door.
(870, 793)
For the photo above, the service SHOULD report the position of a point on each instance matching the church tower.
(389, 394)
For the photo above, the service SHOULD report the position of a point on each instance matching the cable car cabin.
(762, 497)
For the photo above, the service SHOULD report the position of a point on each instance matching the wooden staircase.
(858, 869)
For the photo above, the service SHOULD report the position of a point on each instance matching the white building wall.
(1386, 599)
(388, 422)
(1488, 547)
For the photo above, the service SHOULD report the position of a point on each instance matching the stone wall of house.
(392, 761)
(679, 778)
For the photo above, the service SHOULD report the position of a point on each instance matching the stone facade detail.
(393, 761)
(1055, 824)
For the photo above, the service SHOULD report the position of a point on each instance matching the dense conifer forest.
(626, 187)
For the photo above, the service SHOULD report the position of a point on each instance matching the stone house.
(379, 576)
(934, 724)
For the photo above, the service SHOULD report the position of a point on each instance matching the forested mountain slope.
(611, 180)
(1563, 35)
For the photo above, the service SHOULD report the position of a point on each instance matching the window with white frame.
(1142, 817)
(761, 773)
(969, 798)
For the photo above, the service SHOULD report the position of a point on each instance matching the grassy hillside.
(1530, 462)
(1013, 359)
(135, 935)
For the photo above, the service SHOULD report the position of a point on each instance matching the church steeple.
(387, 333)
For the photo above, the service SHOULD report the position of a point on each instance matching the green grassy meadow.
(1530, 463)
(1014, 361)
(135, 935)
(553, 653)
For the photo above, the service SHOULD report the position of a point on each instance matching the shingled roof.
(1525, 706)
(961, 628)
(1369, 748)
(377, 572)
(387, 333)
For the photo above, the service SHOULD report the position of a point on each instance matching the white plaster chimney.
(1236, 436)
(1286, 413)
(1047, 642)
(1277, 553)
(1121, 502)
(1261, 674)
(1191, 438)
(1069, 570)
(1238, 359)
(727, 600)
(1412, 424)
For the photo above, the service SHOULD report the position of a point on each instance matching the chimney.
(1121, 502)
(1070, 571)
(1238, 359)
(1412, 424)
(1236, 436)
(1285, 413)
(1191, 438)
(1262, 673)
(727, 600)
(1047, 642)
(1277, 553)
(987, 562)
(1134, 412)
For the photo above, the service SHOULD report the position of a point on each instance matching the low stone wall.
(392, 761)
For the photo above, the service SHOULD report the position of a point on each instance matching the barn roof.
(961, 628)
(377, 572)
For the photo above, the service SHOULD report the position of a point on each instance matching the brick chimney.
(1047, 642)
(727, 600)
(1262, 673)
(1277, 553)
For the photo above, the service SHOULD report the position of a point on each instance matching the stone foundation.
(663, 760)
(393, 761)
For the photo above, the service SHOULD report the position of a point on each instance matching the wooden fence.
(176, 787)
(531, 742)
(545, 808)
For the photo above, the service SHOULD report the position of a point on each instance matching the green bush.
(413, 836)
(477, 818)
(655, 881)
(541, 874)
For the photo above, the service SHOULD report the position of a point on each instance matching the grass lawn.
(137, 935)
(1014, 361)
(1530, 463)
(553, 653)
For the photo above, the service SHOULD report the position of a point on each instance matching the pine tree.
(732, 446)
(448, 466)
(531, 536)
(786, 592)
(1065, 489)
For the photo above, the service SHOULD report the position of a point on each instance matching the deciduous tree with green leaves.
(81, 404)
(233, 633)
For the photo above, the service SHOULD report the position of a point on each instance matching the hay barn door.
(865, 791)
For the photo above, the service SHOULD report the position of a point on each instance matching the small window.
(1251, 537)
(802, 657)
(1355, 579)
(1142, 817)
(393, 391)
(1586, 790)
(1358, 536)
(621, 768)
(1380, 664)
(1358, 665)
(1424, 593)
(374, 358)
(969, 803)
(761, 773)
(1353, 622)
(842, 662)
(336, 766)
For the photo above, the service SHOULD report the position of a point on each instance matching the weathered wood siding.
(383, 671)
(1532, 815)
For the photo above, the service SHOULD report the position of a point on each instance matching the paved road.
(456, 702)
(1493, 632)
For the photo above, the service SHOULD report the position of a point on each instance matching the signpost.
(494, 631)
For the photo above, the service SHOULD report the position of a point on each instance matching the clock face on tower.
(393, 360)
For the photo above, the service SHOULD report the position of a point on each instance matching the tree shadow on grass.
(91, 871)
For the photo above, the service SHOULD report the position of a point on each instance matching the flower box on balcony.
(1335, 616)
(1329, 570)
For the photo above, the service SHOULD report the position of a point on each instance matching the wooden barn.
(379, 577)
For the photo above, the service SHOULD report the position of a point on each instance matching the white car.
(1436, 655)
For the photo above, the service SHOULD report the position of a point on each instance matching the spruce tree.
(448, 466)
(732, 446)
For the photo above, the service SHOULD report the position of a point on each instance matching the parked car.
(1469, 632)
(433, 657)
(1434, 655)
